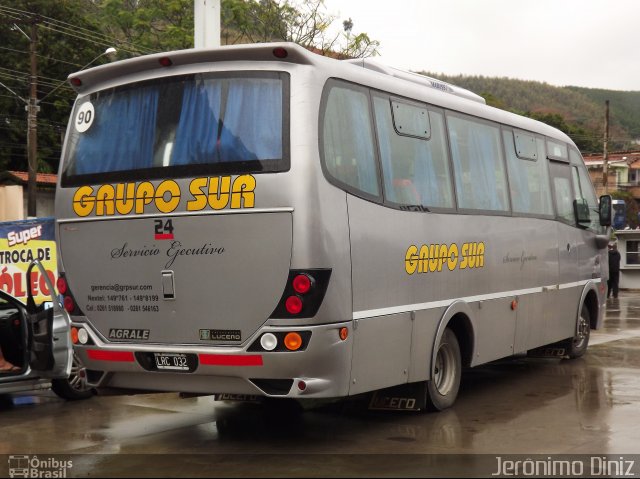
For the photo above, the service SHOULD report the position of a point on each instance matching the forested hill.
(577, 111)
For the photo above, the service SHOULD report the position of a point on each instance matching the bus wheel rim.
(444, 375)
(583, 331)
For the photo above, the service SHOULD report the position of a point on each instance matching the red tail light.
(302, 283)
(69, 304)
(294, 304)
(62, 285)
(68, 301)
(303, 293)
(280, 52)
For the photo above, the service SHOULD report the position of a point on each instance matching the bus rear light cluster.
(68, 301)
(303, 293)
(80, 336)
(281, 341)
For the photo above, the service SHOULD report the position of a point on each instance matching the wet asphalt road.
(528, 407)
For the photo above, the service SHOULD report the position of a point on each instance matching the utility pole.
(605, 154)
(32, 123)
(206, 18)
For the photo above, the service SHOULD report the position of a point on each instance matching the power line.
(57, 60)
(76, 31)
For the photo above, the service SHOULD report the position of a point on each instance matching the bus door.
(565, 294)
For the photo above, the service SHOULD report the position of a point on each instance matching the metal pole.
(605, 154)
(32, 124)
(206, 22)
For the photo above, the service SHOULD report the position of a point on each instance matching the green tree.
(159, 25)
(66, 40)
(306, 23)
(585, 140)
(73, 33)
(146, 26)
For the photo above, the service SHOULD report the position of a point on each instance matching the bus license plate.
(171, 361)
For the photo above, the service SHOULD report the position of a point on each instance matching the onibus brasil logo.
(33, 466)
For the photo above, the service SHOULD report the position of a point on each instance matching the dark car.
(36, 339)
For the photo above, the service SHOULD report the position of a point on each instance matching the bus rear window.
(180, 126)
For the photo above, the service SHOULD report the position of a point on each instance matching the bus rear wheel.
(577, 345)
(442, 389)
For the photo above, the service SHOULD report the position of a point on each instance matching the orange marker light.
(74, 335)
(293, 341)
(344, 333)
(514, 305)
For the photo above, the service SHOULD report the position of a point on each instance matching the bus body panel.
(189, 286)
(381, 357)
(521, 261)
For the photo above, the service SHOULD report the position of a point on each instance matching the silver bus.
(259, 220)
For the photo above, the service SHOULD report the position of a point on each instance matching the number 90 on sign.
(84, 117)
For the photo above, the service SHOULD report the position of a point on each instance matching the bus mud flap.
(406, 397)
(555, 350)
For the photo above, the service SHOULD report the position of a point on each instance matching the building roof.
(618, 159)
(591, 162)
(22, 178)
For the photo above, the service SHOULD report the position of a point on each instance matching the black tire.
(442, 389)
(75, 386)
(577, 346)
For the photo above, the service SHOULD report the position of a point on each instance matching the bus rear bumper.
(322, 370)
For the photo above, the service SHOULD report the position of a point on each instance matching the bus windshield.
(180, 126)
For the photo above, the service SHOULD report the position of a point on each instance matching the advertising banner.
(21, 242)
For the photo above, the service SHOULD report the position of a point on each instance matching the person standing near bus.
(614, 271)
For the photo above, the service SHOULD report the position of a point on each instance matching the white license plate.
(171, 361)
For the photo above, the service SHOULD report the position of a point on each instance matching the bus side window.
(562, 193)
(347, 139)
(528, 176)
(415, 164)
(479, 169)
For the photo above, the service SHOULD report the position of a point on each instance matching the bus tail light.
(280, 52)
(69, 304)
(281, 341)
(292, 341)
(294, 305)
(62, 285)
(79, 335)
(302, 283)
(268, 341)
(303, 293)
(68, 301)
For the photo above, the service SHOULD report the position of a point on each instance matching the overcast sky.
(589, 43)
